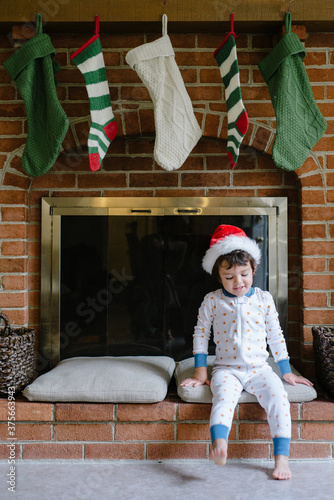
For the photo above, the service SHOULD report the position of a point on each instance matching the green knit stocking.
(300, 124)
(32, 70)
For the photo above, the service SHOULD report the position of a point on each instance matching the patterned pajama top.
(242, 328)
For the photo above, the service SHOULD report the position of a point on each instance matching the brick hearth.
(170, 429)
(167, 430)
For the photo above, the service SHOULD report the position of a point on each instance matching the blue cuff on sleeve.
(200, 360)
(284, 366)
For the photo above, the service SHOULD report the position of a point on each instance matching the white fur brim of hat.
(228, 245)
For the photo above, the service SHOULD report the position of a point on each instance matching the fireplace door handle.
(188, 210)
(134, 211)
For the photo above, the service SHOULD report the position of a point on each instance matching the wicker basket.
(17, 357)
(323, 346)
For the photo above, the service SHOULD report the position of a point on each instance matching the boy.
(244, 320)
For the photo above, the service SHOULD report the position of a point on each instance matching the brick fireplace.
(73, 430)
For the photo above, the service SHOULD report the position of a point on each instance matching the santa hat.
(225, 240)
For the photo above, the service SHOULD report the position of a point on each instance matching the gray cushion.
(202, 394)
(128, 379)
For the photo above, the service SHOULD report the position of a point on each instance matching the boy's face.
(236, 280)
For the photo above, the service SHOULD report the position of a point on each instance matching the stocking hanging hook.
(164, 24)
(232, 22)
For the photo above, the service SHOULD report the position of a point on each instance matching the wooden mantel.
(183, 15)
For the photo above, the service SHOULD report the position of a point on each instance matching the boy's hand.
(293, 379)
(194, 382)
(200, 378)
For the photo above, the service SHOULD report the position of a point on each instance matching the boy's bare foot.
(218, 451)
(281, 470)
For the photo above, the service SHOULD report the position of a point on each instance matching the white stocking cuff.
(159, 48)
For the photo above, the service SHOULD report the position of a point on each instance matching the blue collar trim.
(248, 294)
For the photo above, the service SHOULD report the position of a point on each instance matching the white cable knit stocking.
(177, 130)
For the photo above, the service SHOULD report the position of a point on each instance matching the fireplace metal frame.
(54, 208)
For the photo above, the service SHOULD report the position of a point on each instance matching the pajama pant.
(227, 385)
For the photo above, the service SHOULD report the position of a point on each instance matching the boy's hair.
(235, 258)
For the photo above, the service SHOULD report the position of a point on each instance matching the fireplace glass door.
(131, 284)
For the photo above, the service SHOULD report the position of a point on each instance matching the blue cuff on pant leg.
(219, 431)
(281, 446)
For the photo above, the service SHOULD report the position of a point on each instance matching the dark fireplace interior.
(133, 285)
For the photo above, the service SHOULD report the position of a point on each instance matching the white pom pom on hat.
(225, 240)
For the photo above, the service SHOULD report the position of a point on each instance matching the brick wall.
(170, 429)
(129, 168)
